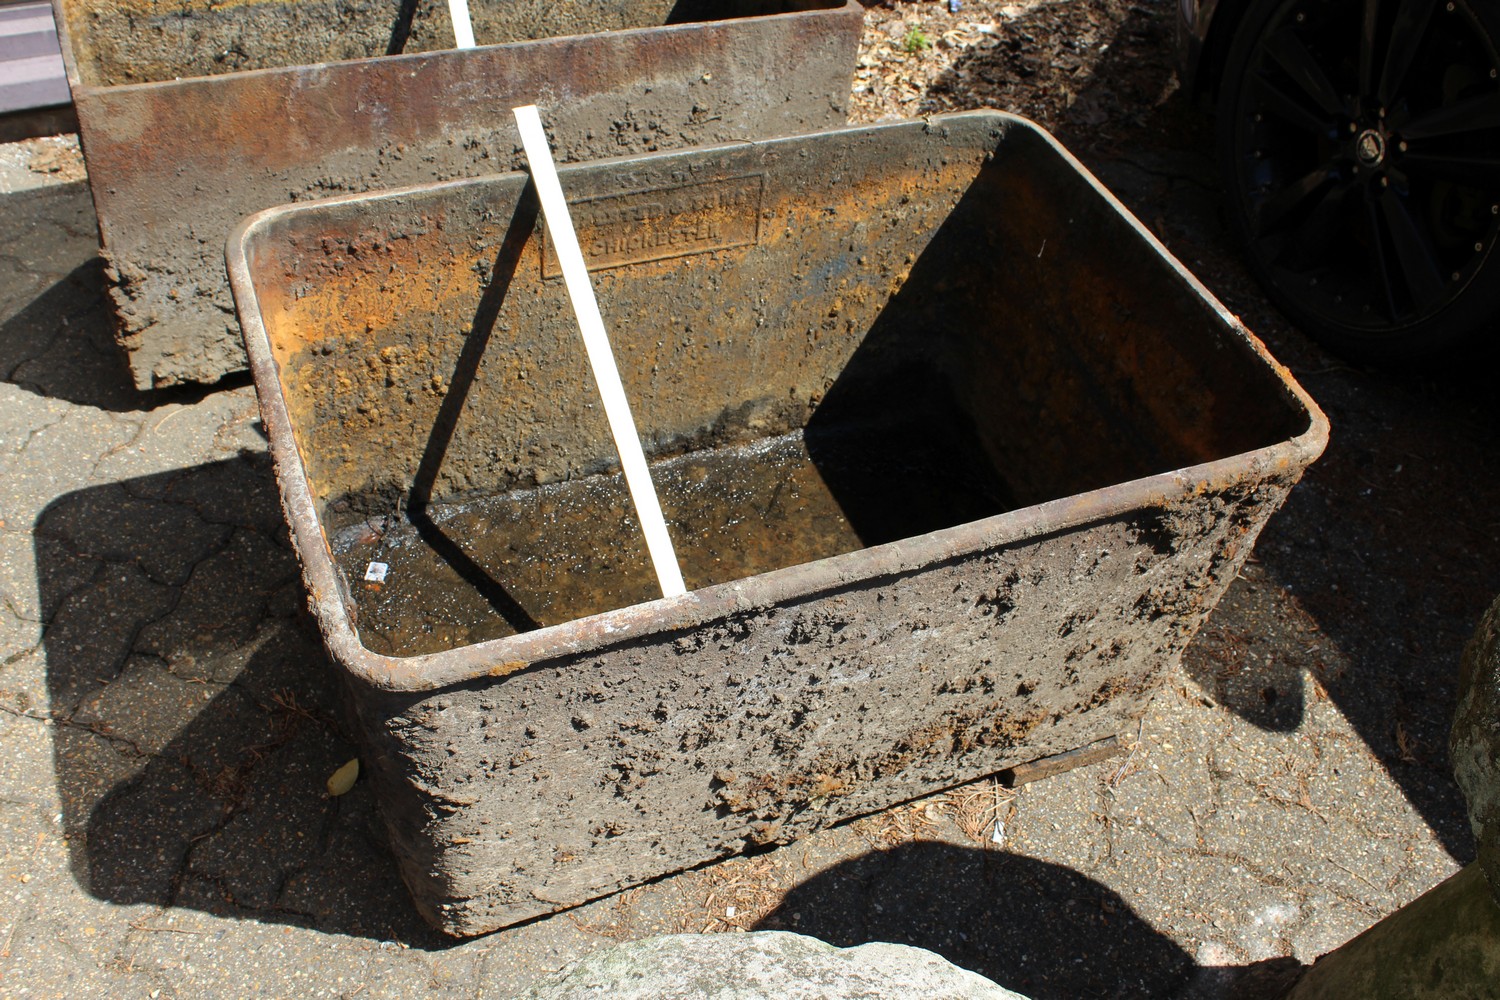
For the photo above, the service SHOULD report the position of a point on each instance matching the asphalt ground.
(168, 718)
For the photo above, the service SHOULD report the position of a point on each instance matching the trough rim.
(800, 583)
(77, 86)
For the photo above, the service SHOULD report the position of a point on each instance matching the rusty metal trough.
(195, 113)
(1034, 453)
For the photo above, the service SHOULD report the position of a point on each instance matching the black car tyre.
(1359, 142)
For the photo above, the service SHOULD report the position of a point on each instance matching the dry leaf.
(1405, 744)
(343, 779)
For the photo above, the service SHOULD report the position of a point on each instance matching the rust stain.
(508, 667)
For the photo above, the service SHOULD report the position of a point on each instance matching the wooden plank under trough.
(1046, 767)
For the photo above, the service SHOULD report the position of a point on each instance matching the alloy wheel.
(1364, 156)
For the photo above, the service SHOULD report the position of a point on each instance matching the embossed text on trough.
(641, 226)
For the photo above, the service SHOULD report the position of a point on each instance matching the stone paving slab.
(168, 718)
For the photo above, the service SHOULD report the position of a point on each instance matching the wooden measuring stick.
(601, 357)
(463, 28)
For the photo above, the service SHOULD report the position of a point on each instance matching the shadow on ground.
(1383, 560)
(1036, 928)
(194, 710)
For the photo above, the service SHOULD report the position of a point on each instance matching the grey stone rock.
(1475, 742)
(764, 965)
(1444, 945)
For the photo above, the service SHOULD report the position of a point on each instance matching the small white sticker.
(375, 572)
(998, 837)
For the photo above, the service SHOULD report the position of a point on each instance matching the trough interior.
(909, 328)
(119, 42)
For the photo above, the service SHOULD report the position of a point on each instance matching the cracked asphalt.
(168, 718)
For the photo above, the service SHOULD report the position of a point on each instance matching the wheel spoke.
(1274, 212)
(1473, 115)
(1283, 105)
(1479, 171)
(1413, 253)
(1406, 37)
(1287, 50)
(1367, 27)
(1382, 266)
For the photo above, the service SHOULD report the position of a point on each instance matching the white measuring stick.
(601, 357)
(463, 28)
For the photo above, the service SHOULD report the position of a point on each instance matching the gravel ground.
(168, 718)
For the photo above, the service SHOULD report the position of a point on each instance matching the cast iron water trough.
(956, 457)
